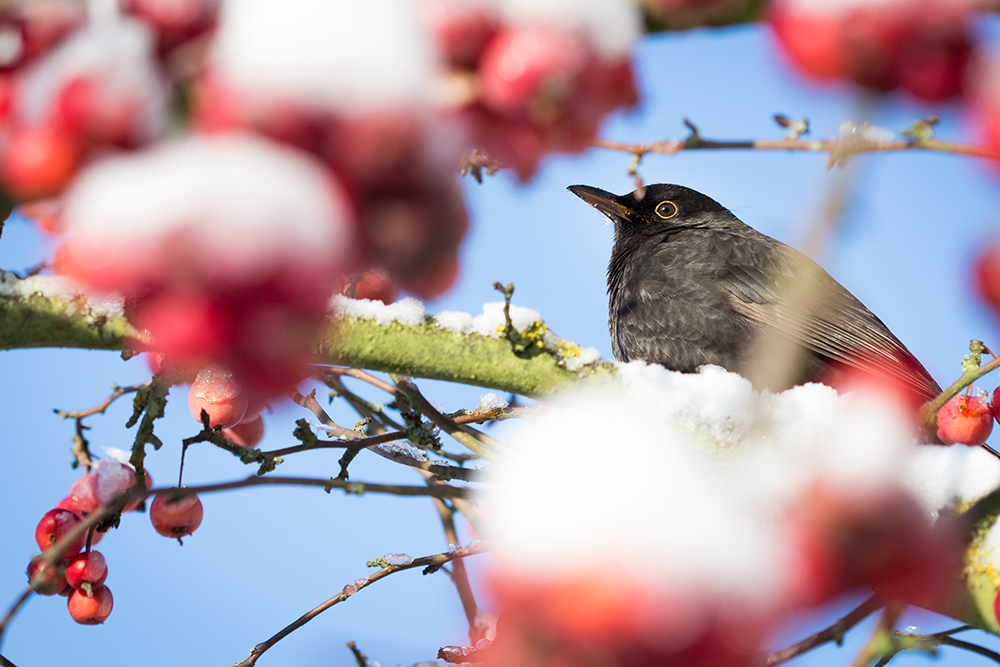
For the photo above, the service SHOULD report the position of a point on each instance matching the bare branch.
(834, 633)
(431, 563)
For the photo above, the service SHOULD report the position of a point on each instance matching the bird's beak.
(603, 201)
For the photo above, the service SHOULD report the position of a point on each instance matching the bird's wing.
(795, 298)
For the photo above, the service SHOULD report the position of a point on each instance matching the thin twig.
(362, 375)
(432, 563)
(339, 444)
(930, 409)
(360, 658)
(458, 574)
(834, 633)
(310, 403)
(930, 642)
(935, 635)
(968, 646)
(460, 433)
(882, 645)
(364, 408)
(14, 608)
(117, 393)
(830, 146)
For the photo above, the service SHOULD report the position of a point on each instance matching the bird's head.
(654, 208)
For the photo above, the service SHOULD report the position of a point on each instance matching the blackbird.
(689, 284)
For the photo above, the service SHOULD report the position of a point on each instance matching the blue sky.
(263, 557)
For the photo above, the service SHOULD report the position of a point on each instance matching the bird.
(690, 284)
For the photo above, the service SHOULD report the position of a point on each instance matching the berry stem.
(930, 408)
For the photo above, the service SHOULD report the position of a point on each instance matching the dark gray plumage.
(689, 284)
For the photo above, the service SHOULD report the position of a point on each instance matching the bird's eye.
(666, 209)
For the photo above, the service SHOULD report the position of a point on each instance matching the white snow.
(333, 54)
(850, 131)
(112, 478)
(490, 322)
(708, 462)
(714, 404)
(404, 450)
(398, 559)
(405, 311)
(585, 356)
(492, 401)
(231, 205)
(454, 321)
(944, 476)
(69, 291)
(621, 482)
(613, 26)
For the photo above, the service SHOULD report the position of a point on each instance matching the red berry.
(995, 404)
(988, 264)
(90, 609)
(54, 525)
(175, 518)
(530, 69)
(81, 505)
(246, 433)
(184, 326)
(48, 579)
(435, 279)
(812, 40)
(221, 395)
(38, 162)
(86, 571)
(966, 420)
(375, 285)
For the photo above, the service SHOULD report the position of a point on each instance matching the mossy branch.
(428, 351)
(422, 351)
(35, 320)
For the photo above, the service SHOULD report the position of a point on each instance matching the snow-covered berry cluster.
(691, 536)
(924, 47)
(538, 76)
(80, 572)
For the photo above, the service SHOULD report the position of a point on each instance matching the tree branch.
(834, 633)
(423, 350)
(431, 563)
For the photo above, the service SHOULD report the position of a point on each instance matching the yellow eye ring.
(666, 209)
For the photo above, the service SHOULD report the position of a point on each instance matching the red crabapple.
(175, 518)
(995, 404)
(86, 571)
(246, 433)
(811, 40)
(987, 272)
(54, 525)
(50, 579)
(966, 420)
(221, 395)
(90, 609)
(375, 285)
(38, 162)
(527, 69)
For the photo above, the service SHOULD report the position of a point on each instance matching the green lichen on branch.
(421, 351)
(35, 320)
(149, 404)
(429, 351)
